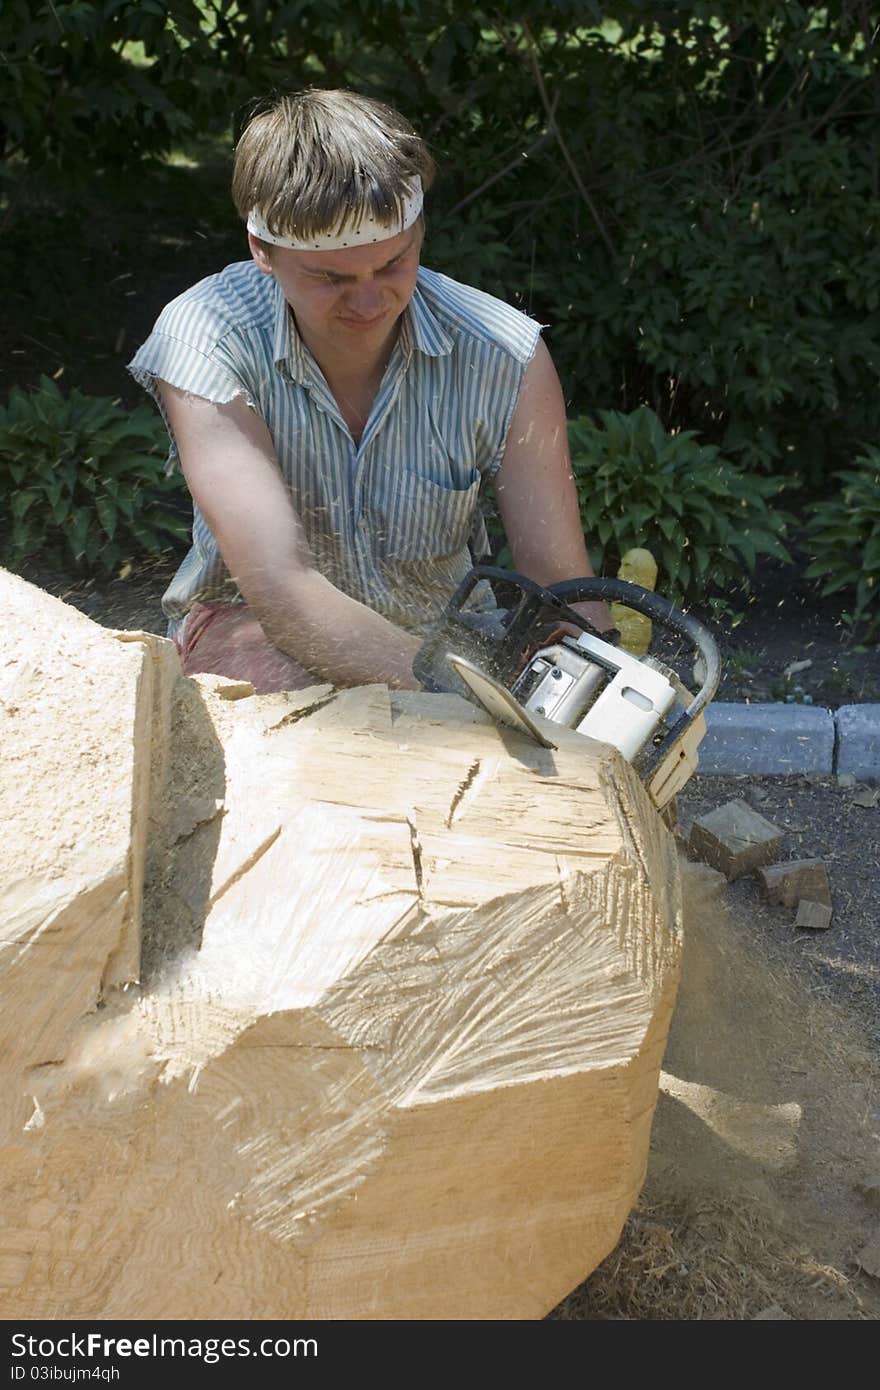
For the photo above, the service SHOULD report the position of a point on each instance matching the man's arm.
(228, 460)
(536, 491)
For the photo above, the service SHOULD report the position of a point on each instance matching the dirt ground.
(762, 1196)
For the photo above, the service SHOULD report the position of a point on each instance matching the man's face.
(347, 303)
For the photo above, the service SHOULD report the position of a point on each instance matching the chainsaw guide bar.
(497, 701)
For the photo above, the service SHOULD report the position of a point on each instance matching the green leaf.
(107, 514)
(21, 502)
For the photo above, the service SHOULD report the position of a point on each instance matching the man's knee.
(227, 640)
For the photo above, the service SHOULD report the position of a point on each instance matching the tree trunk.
(315, 1005)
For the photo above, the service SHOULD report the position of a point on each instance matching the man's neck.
(352, 365)
(354, 378)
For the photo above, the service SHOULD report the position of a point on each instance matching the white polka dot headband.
(367, 230)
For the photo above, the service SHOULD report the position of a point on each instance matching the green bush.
(760, 304)
(83, 479)
(686, 193)
(843, 540)
(92, 81)
(704, 519)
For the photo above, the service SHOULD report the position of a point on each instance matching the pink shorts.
(225, 639)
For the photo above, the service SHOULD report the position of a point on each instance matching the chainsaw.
(531, 673)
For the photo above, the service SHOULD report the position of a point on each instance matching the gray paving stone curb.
(858, 740)
(783, 740)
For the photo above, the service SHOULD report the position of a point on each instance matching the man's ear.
(261, 252)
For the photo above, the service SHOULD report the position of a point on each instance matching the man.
(337, 412)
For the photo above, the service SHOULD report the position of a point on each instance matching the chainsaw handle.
(559, 597)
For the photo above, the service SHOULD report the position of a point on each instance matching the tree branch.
(514, 163)
(553, 128)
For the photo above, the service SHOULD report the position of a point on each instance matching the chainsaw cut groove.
(295, 715)
(563, 896)
(464, 788)
(244, 868)
(416, 848)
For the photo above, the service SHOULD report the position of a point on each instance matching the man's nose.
(364, 299)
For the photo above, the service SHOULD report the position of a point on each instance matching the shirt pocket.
(429, 520)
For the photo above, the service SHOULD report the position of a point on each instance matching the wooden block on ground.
(735, 839)
(786, 884)
(816, 916)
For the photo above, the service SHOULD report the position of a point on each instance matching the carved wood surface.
(323, 1004)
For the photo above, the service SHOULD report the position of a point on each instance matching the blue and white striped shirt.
(394, 520)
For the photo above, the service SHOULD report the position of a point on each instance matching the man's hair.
(318, 159)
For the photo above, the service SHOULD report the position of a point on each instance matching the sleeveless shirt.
(394, 521)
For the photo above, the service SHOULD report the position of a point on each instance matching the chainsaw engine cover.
(598, 690)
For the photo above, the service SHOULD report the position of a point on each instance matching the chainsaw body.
(530, 675)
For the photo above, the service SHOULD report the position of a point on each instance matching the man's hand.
(536, 492)
(229, 463)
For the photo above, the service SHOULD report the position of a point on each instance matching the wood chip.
(794, 667)
(191, 812)
(788, 883)
(816, 916)
(222, 686)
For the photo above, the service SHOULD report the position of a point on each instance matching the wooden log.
(405, 985)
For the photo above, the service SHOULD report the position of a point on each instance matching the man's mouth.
(351, 321)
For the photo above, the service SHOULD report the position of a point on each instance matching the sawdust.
(731, 1225)
(685, 1256)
